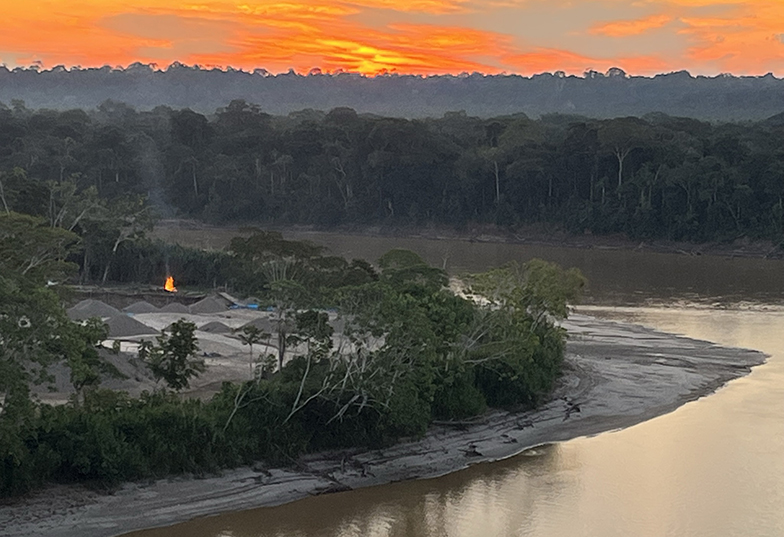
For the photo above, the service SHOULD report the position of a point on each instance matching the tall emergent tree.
(35, 333)
(252, 335)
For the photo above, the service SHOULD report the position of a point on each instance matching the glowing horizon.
(427, 37)
(39, 67)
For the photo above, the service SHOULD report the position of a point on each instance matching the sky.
(642, 37)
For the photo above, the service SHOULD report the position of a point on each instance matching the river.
(713, 467)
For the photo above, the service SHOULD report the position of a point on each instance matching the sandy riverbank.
(194, 233)
(616, 376)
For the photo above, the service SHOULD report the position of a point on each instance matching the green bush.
(459, 398)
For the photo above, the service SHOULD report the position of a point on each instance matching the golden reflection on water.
(712, 468)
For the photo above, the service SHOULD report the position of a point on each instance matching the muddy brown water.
(616, 276)
(713, 467)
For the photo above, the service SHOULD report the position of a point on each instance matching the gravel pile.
(92, 308)
(175, 307)
(215, 327)
(133, 377)
(123, 326)
(262, 323)
(140, 307)
(209, 305)
(168, 329)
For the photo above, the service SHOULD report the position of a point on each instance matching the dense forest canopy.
(595, 94)
(654, 176)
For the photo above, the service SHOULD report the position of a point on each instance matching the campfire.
(169, 285)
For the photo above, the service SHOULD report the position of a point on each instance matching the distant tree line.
(650, 177)
(603, 95)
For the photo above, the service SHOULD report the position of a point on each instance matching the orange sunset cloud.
(632, 27)
(410, 36)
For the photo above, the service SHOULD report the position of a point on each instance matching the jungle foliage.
(654, 176)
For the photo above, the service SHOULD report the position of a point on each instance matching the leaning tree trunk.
(281, 347)
(2, 197)
(497, 183)
(109, 262)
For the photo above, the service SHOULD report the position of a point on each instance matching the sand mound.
(262, 323)
(123, 326)
(170, 326)
(175, 307)
(140, 307)
(215, 328)
(131, 375)
(210, 304)
(92, 308)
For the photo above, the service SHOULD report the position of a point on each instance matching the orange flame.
(169, 285)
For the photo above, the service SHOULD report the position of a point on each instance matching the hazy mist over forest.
(599, 95)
